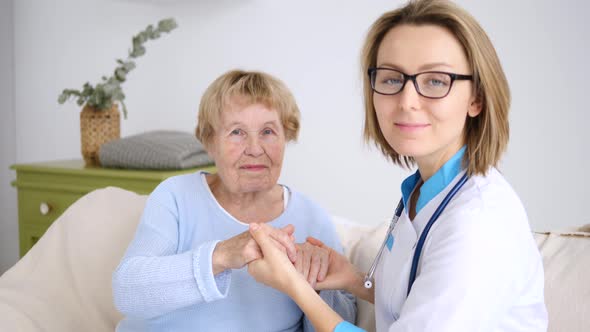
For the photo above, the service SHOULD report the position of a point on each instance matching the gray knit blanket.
(155, 150)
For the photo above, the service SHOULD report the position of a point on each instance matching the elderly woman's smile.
(253, 167)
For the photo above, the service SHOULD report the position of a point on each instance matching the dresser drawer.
(29, 236)
(41, 208)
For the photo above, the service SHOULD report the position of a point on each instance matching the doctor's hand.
(236, 252)
(341, 273)
(274, 268)
(312, 262)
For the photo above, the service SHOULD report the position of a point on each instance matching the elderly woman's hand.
(312, 262)
(236, 252)
(274, 269)
(341, 273)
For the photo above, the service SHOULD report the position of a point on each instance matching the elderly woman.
(185, 268)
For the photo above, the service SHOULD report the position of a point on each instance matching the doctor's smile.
(410, 127)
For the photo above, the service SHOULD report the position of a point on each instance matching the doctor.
(461, 257)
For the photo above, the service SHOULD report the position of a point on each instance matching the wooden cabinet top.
(78, 167)
(74, 176)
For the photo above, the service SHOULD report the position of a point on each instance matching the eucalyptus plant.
(108, 91)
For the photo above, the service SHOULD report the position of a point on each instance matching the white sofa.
(64, 282)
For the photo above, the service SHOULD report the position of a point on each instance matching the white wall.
(8, 223)
(543, 46)
(314, 47)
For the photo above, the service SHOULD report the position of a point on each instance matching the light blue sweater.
(165, 282)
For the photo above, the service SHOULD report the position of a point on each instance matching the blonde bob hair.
(249, 87)
(486, 135)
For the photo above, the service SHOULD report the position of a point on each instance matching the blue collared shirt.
(433, 186)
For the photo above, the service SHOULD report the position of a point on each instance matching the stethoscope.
(416, 259)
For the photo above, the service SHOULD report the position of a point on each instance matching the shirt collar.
(433, 186)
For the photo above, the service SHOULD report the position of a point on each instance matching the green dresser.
(45, 190)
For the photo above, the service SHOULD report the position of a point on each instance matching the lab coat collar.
(435, 185)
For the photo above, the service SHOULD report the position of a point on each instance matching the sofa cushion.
(64, 282)
(566, 263)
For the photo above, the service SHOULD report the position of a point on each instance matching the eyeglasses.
(429, 84)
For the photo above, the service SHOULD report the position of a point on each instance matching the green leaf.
(120, 74)
(167, 25)
(124, 109)
(143, 37)
(117, 94)
(139, 51)
(112, 80)
(129, 65)
(62, 98)
(87, 90)
(106, 104)
(109, 88)
(70, 92)
(93, 100)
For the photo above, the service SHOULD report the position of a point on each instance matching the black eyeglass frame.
(454, 77)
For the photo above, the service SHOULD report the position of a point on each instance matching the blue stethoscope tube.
(368, 281)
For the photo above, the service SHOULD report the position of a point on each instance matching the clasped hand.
(236, 252)
(316, 264)
(310, 260)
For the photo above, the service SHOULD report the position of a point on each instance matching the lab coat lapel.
(394, 269)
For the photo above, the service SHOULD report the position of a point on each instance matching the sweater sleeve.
(153, 279)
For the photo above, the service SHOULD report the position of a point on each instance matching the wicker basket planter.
(96, 128)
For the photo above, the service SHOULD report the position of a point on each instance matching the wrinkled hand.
(312, 262)
(236, 252)
(274, 269)
(341, 274)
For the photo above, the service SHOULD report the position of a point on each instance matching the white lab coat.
(480, 269)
